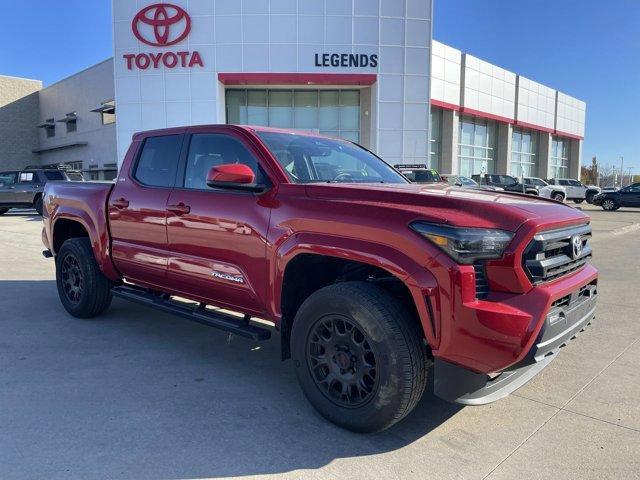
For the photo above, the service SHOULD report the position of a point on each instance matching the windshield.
(321, 160)
(467, 182)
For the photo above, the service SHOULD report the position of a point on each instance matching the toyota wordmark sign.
(162, 25)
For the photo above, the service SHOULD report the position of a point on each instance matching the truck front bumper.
(567, 317)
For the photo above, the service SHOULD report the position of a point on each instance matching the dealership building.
(363, 70)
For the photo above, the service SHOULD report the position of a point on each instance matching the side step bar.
(197, 313)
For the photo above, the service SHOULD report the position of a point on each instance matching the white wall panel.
(570, 115)
(488, 88)
(536, 103)
(445, 73)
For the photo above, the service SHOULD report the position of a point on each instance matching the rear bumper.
(568, 316)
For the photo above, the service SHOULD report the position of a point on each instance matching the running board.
(197, 313)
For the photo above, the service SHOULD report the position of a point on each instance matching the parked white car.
(576, 190)
(555, 192)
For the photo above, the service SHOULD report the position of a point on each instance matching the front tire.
(359, 356)
(590, 197)
(579, 201)
(558, 197)
(609, 205)
(83, 290)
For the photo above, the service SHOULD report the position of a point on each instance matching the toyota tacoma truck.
(368, 279)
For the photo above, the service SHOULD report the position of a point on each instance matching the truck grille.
(553, 254)
(482, 286)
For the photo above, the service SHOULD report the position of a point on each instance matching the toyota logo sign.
(161, 25)
(576, 246)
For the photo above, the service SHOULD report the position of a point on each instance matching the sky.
(589, 49)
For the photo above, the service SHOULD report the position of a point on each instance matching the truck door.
(137, 210)
(217, 238)
(8, 187)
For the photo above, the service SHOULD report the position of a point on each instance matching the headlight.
(466, 245)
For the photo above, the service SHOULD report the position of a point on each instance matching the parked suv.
(507, 182)
(625, 197)
(23, 188)
(576, 190)
(555, 192)
(369, 279)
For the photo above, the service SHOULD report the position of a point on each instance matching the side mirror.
(233, 176)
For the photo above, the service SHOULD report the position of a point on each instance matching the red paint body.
(150, 237)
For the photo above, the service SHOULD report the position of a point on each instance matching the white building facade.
(363, 70)
(356, 69)
(487, 119)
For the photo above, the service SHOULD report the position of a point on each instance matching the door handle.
(120, 203)
(179, 209)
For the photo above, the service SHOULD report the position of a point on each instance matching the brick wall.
(19, 115)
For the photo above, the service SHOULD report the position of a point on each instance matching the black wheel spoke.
(342, 361)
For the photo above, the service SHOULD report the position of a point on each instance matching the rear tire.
(38, 205)
(558, 197)
(3, 211)
(579, 201)
(359, 356)
(609, 205)
(83, 290)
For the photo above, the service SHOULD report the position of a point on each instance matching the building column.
(544, 154)
(449, 142)
(575, 159)
(503, 153)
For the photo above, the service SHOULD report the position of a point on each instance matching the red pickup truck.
(369, 279)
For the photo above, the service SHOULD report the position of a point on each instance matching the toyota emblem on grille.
(161, 25)
(576, 246)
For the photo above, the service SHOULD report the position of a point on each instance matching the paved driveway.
(141, 395)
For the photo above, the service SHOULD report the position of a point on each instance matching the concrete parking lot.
(137, 394)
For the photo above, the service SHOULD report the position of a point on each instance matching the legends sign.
(346, 60)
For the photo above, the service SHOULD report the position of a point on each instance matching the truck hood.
(450, 205)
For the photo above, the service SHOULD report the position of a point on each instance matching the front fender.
(382, 256)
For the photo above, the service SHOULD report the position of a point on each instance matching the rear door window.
(8, 178)
(28, 177)
(158, 162)
(53, 175)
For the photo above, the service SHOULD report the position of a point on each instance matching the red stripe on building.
(490, 116)
(531, 126)
(498, 118)
(445, 105)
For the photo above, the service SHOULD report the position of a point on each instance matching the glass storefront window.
(524, 151)
(331, 112)
(559, 157)
(476, 146)
(435, 138)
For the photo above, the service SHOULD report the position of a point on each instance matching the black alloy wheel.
(72, 279)
(342, 362)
